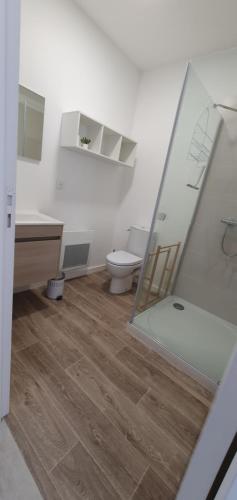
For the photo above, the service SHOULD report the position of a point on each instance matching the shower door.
(156, 315)
(191, 146)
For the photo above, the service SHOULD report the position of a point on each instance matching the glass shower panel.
(191, 147)
(190, 150)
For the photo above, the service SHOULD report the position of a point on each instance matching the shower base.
(200, 339)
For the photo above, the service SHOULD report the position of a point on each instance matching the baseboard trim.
(174, 360)
(96, 269)
(83, 271)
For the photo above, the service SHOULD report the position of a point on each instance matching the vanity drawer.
(36, 261)
(30, 231)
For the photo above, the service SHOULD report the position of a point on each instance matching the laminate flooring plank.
(78, 477)
(179, 377)
(119, 460)
(45, 427)
(53, 306)
(107, 302)
(98, 299)
(77, 304)
(167, 416)
(122, 377)
(87, 329)
(30, 302)
(21, 335)
(153, 442)
(138, 346)
(153, 488)
(102, 315)
(83, 319)
(176, 395)
(46, 331)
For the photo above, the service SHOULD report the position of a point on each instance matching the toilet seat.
(122, 258)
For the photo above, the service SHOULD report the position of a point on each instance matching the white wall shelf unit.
(106, 144)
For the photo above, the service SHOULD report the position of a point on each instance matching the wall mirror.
(30, 124)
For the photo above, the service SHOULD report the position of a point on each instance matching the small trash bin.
(55, 287)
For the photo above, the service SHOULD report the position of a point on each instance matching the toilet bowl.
(123, 264)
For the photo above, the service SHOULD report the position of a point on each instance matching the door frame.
(9, 77)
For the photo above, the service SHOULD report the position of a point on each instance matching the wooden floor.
(97, 415)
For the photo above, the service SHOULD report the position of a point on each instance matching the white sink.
(35, 218)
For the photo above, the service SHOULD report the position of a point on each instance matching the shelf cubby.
(111, 144)
(127, 151)
(106, 144)
(91, 129)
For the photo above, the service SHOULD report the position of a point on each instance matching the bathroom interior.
(126, 177)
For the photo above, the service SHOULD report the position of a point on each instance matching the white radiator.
(75, 252)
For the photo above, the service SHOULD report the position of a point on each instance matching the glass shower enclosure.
(164, 316)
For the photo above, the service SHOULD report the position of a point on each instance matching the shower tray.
(201, 339)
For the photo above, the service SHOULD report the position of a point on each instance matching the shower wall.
(207, 278)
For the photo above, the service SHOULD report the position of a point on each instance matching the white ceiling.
(152, 32)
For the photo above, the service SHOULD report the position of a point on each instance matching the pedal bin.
(55, 287)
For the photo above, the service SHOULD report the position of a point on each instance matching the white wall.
(69, 61)
(156, 107)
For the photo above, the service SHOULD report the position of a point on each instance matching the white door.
(9, 59)
(215, 439)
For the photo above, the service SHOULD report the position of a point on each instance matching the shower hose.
(223, 244)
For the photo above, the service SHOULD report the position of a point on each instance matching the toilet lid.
(122, 258)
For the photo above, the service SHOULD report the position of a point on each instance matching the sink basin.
(35, 218)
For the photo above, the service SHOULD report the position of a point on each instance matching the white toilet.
(123, 264)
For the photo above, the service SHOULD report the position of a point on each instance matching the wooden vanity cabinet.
(37, 253)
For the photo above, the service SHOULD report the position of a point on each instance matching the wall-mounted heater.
(75, 252)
